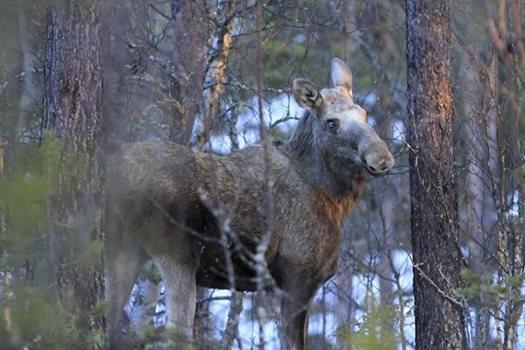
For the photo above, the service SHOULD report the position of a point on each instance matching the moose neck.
(303, 149)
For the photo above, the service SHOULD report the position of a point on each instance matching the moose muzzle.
(374, 154)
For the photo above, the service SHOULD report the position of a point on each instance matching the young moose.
(163, 198)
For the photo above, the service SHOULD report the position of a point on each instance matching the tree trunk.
(188, 65)
(29, 96)
(214, 77)
(73, 112)
(434, 214)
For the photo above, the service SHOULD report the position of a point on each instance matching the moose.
(177, 206)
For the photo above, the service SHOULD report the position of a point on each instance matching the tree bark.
(433, 187)
(188, 65)
(218, 54)
(72, 110)
(29, 96)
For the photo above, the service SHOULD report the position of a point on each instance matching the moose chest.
(305, 224)
(312, 245)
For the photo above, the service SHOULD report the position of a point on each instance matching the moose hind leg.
(124, 259)
(180, 286)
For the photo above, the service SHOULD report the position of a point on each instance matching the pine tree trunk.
(434, 216)
(73, 112)
(188, 65)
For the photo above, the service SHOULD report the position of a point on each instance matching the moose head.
(340, 130)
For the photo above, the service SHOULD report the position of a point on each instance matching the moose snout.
(381, 167)
(377, 159)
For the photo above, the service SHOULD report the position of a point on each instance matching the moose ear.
(341, 75)
(306, 94)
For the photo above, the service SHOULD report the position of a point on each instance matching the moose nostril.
(385, 167)
(372, 169)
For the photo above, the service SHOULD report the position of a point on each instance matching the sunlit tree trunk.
(72, 110)
(434, 215)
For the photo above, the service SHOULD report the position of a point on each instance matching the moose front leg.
(295, 322)
(298, 292)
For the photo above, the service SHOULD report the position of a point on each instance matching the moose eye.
(333, 124)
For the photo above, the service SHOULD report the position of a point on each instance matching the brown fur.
(336, 209)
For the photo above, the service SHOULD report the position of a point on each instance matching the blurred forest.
(77, 75)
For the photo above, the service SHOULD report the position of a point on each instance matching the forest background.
(75, 75)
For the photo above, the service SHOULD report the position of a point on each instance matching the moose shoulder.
(173, 205)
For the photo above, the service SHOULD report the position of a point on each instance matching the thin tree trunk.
(472, 122)
(433, 187)
(73, 112)
(29, 94)
(188, 65)
(231, 332)
(218, 55)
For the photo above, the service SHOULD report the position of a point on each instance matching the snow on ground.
(249, 328)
